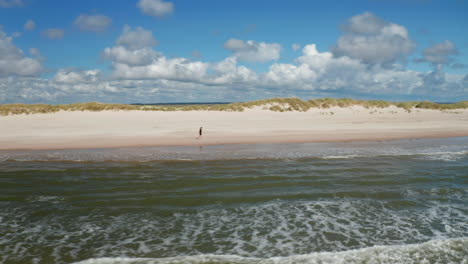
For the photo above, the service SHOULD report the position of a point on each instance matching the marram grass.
(273, 104)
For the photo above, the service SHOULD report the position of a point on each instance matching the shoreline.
(252, 141)
(122, 129)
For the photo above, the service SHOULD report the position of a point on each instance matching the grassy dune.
(273, 104)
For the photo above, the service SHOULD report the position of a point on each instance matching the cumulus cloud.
(136, 38)
(366, 23)
(29, 25)
(373, 40)
(179, 69)
(183, 80)
(434, 78)
(439, 53)
(157, 8)
(441, 86)
(322, 73)
(75, 77)
(314, 70)
(133, 48)
(282, 74)
(253, 51)
(13, 61)
(229, 72)
(141, 73)
(53, 33)
(138, 57)
(133, 58)
(11, 3)
(93, 23)
(39, 90)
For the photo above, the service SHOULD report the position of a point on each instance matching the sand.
(67, 130)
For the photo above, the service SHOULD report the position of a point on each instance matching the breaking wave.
(449, 149)
(449, 251)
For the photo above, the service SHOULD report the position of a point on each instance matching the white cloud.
(295, 47)
(253, 51)
(13, 61)
(139, 57)
(313, 58)
(281, 74)
(38, 90)
(365, 23)
(322, 73)
(439, 53)
(133, 48)
(157, 8)
(311, 69)
(228, 72)
(179, 69)
(227, 81)
(94, 23)
(142, 74)
(11, 3)
(29, 25)
(76, 77)
(372, 40)
(133, 58)
(53, 33)
(136, 38)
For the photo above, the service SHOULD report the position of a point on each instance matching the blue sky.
(212, 50)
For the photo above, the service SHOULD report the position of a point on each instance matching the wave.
(439, 155)
(452, 152)
(277, 228)
(434, 251)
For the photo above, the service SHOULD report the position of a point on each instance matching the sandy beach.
(68, 130)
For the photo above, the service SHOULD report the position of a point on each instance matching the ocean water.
(360, 202)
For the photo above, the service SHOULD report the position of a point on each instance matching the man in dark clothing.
(200, 132)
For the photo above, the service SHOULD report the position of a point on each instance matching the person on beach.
(200, 132)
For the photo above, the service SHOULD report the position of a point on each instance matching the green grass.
(273, 104)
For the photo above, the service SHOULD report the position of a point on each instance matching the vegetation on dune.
(273, 104)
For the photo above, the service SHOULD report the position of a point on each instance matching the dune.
(105, 129)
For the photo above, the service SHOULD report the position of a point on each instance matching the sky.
(161, 51)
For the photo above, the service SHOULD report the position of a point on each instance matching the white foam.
(444, 155)
(278, 228)
(45, 198)
(434, 149)
(450, 251)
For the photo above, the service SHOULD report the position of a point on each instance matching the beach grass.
(272, 104)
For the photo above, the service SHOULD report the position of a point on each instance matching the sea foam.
(446, 149)
(449, 251)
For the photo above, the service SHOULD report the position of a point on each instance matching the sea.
(403, 201)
